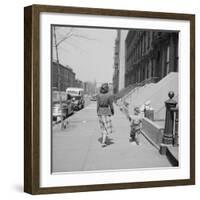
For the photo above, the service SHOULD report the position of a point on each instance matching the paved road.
(78, 147)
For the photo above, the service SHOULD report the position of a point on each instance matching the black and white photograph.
(114, 99)
(109, 99)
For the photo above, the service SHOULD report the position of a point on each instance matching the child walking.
(135, 121)
(136, 125)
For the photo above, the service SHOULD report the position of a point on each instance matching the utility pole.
(57, 43)
(59, 74)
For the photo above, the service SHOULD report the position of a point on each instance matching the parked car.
(93, 98)
(77, 95)
(61, 105)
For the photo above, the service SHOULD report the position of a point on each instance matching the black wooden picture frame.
(32, 98)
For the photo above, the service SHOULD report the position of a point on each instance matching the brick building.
(78, 83)
(67, 77)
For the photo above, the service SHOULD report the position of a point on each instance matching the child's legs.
(132, 134)
(137, 136)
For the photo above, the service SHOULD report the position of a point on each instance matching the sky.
(89, 52)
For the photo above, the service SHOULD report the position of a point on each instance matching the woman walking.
(104, 111)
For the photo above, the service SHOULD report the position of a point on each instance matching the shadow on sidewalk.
(109, 141)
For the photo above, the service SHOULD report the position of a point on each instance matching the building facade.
(150, 55)
(90, 88)
(116, 64)
(123, 34)
(78, 83)
(67, 77)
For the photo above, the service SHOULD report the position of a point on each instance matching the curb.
(173, 160)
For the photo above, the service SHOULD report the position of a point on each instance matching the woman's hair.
(104, 88)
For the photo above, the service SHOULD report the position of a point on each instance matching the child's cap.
(147, 103)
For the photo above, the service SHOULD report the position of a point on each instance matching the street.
(78, 147)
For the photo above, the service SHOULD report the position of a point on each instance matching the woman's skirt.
(105, 124)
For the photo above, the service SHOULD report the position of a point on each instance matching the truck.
(77, 95)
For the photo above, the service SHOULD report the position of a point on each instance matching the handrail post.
(169, 119)
(175, 128)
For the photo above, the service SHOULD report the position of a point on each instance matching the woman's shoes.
(103, 144)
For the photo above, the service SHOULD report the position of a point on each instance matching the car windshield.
(72, 92)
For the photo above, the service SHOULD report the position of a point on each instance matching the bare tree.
(57, 43)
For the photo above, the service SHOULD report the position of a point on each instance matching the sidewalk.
(78, 147)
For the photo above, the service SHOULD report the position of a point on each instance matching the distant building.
(150, 55)
(119, 61)
(116, 64)
(78, 83)
(110, 85)
(90, 88)
(67, 77)
(123, 34)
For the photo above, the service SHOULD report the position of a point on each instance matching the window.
(144, 42)
(152, 68)
(167, 61)
(148, 39)
(153, 35)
